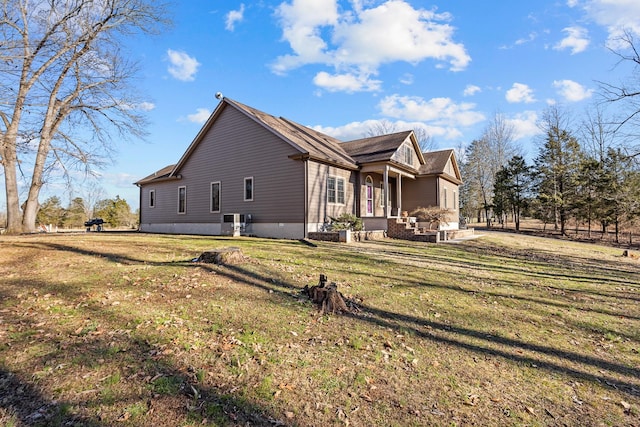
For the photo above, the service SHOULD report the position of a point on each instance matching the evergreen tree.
(622, 181)
(556, 170)
(75, 215)
(115, 212)
(512, 189)
(51, 212)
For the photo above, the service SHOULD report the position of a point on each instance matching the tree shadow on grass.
(25, 404)
(147, 385)
(543, 357)
(452, 335)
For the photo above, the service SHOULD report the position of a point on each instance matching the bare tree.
(384, 127)
(626, 92)
(598, 133)
(381, 127)
(483, 159)
(65, 88)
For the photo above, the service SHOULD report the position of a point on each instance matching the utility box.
(231, 224)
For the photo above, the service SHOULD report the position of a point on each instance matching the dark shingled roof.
(161, 174)
(375, 148)
(316, 145)
(308, 141)
(435, 163)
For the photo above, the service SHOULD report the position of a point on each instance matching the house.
(253, 173)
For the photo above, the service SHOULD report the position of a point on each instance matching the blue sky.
(338, 66)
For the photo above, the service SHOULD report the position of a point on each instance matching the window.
(444, 197)
(215, 197)
(248, 189)
(335, 190)
(455, 200)
(408, 154)
(152, 198)
(182, 200)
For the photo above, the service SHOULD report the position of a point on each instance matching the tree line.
(584, 176)
(115, 212)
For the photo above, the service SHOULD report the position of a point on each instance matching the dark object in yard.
(231, 255)
(94, 221)
(327, 297)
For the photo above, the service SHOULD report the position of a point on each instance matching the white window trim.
(211, 196)
(185, 200)
(344, 190)
(408, 154)
(152, 198)
(244, 189)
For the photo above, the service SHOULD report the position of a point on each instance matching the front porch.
(404, 228)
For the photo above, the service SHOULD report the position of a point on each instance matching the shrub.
(431, 214)
(347, 222)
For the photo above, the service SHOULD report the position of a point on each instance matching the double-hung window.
(335, 190)
(408, 154)
(182, 200)
(248, 189)
(215, 197)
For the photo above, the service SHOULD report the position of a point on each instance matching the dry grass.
(123, 329)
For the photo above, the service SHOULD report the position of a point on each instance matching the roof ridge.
(321, 138)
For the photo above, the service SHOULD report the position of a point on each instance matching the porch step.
(406, 229)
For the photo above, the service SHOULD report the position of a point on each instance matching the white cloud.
(200, 116)
(183, 67)
(531, 37)
(616, 16)
(576, 40)
(525, 124)
(233, 17)
(146, 106)
(346, 82)
(572, 91)
(436, 110)
(318, 32)
(520, 92)
(439, 117)
(357, 130)
(471, 90)
(407, 79)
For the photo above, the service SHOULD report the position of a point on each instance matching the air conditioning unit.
(232, 224)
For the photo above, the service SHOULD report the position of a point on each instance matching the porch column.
(399, 193)
(386, 191)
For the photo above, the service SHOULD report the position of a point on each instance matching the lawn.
(125, 329)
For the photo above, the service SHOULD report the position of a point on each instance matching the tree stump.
(327, 297)
(231, 255)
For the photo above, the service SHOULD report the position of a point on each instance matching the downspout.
(306, 198)
(140, 207)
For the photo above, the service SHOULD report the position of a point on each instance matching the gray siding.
(235, 147)
(421, 192)
(319, 208)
